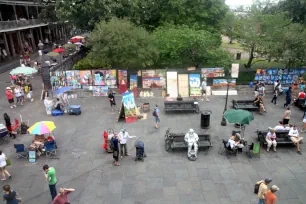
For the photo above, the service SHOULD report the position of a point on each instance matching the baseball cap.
(8, 88)
(274, 188)
(268, 180)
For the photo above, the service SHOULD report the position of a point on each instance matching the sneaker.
(127, 154)
(121, 157)
(32, 99)
(207, 100)
(202, 99)
(12, 107)
(4, 179)
(274, 149)
(299, 152)
(267, 150)
(10, 177)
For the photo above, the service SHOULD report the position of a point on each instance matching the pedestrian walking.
(3, 165)
(156, 115)
(257, 85)
(10, 97)
(261, 90)
(8, 125)
(62, 197)
(271, 197)
(276, 91)
(18, 94)
(204, 89)
(287, 116)
(263, 190)
(50, 176)
(123, 137)
(111, 98)
(288, 97)
(10, 196)
(115, 145)
(29, 88)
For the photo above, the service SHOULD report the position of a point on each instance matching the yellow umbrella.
(42, 127)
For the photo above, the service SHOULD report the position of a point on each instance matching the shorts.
(203, 91)
(256, 93)
(296, 139)
(11, 100)
(157, 119)
(304, 120)
(286, 121)
(19, 98)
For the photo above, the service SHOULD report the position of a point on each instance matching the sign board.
(172, 84)
(195, 84)
(130, 108)
(32, 156)
(212, 72)
(223, 82)
(235, 70)
(122, 76)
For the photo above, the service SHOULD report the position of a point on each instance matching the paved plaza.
(164, 177)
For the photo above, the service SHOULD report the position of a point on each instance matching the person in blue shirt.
(115, 143)
(288, 97)
(156, 115)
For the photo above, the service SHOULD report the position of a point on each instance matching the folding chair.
(21, 151)
(254, 150)
(50, 148)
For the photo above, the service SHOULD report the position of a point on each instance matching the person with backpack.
(276, 91)
(288, 97)
(114, 143)
(261, 189)
(156, 115)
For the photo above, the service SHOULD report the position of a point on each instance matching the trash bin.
(205, 119)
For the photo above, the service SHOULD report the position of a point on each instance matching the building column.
(32, 39)
(41, 35)
(63, 32)
(50, 37)
(37, 12)
(19, 40)
(6, 45)
(16, 17)
(1, 19)
(27, 9)
(12, 44)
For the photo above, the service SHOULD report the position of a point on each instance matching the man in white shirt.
(295, 138)
(123, 137)
(280, 126)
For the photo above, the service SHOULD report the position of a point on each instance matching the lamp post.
(223, 121)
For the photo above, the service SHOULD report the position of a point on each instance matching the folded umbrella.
(63, 90)
(42, 127)
(23, 70)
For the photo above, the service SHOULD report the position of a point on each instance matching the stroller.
(140, 153)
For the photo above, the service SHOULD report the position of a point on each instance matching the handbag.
(8, 162)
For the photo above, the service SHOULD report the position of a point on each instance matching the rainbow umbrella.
(42, 127)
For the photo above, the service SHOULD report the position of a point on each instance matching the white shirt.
(293, 133)
(231, 143)
(123, 137)
(287, 128)
(204, 84)
(279, 127)
(2, 160)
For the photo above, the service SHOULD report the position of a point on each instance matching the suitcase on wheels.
(74, 110)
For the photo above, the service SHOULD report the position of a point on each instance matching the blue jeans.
(261, 201)
(53, 191)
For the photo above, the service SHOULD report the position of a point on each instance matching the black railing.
(19, 23)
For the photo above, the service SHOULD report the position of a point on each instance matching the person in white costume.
(192, 138)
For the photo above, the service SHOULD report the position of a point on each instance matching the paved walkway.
(164, 177)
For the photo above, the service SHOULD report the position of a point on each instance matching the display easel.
(121, 112)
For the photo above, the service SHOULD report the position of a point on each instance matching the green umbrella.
(23, 70)
(69, 46)
(238, 116)
(53, 54)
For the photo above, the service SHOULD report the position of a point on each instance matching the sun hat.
(274, 188)
(8, 88)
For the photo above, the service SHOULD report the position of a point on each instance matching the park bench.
(281, 136)
(245, 105)
(180, 106)
(176, 140)
(300, 103)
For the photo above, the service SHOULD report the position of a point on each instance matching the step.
(223, 93)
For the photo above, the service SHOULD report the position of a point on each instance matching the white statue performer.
(192, 138)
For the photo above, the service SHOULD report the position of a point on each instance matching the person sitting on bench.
(295, 138)
(280, 126)
(259, 103)
(301, 96)
(271, 140)
(58, 105)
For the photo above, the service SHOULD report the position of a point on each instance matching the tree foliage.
(181, 45)
(296, 10)
(229, 26)
(119, 43)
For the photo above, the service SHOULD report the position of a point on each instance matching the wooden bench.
(245, 105)
(180, 106)
(174, 140)
(281, 136)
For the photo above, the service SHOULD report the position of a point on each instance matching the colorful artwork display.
(286, 76)
(195, 84)
(130, 107)
(133, 81)
(154, 78)
(73, 78)
(212, 72)
(85, 77)
(223, 82)
(100, 91)
(122, 77)
(57, 79)
(105, 78)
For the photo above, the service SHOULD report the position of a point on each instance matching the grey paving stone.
(208, 185)
(128, 191)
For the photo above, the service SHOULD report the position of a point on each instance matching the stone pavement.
(164, 177)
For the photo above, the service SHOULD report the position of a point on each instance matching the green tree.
(181, 45)
(229, 26)
(296, 10)
(119, 43)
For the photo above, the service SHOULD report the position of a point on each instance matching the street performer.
(192, 138)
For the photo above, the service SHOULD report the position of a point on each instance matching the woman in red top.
(62, 197)
(10, 96)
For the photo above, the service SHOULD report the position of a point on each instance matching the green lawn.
(261, 64)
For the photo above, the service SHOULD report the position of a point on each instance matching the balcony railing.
(19, 23)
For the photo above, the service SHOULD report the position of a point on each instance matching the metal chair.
(21, 151)
(50, 148)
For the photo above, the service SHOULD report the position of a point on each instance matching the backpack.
(154, 113)
(256, 187)
(26, 88)
(111, 143)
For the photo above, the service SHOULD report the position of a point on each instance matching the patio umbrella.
(42, 127)
(74, 40)
(23, 70)
(239, 116)
(78, 43)
(80, 37)
(63, 90)
(52, 54)
(69, 46)
(58, 50)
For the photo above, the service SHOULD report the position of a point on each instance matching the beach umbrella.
(43, 127)
(58, 50)
(69, 46)
(63, 90)
(23, 70)
(52, 54)
(238, 116)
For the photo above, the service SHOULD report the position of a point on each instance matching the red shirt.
(9, 94)
(61, 199)
(302, 95)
